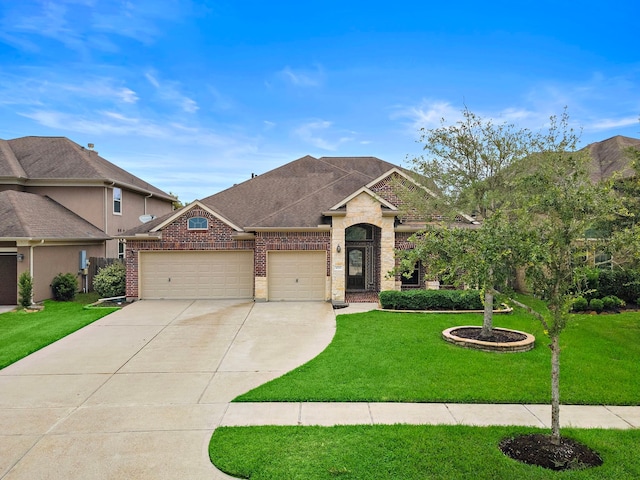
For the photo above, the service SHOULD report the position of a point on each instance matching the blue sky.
(194, 96)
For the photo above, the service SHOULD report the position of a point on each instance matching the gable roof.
(29, 216)
(609, 157)
(59, 160)
(296, 194)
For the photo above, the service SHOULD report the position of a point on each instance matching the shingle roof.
(31, 216)
(58, 158)
(609, 157)
(296, 194)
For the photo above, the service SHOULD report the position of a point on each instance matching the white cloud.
(170, 91)
(315, 134)
(83, 25)
(427, 114)
(303, 78)
(609, 123)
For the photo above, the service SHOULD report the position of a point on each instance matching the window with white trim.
(198, 223)
(117, 201)
(121, 248)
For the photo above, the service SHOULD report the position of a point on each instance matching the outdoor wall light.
(338, 248)
(20, 257)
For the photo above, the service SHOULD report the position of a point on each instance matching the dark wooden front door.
(356, 263)
(8, 281)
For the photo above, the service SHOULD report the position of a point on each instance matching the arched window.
(359, 233)
(198, 223)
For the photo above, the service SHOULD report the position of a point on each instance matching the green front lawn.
(400, 357)
(405, 452)
(383, 356)
(23, 333)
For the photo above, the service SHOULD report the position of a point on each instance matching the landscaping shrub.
(624, 284)
(64, 287)
(110, 281)
(431, 300)
(596, 305)
(25, 289)
(611, 302)
(580, 304)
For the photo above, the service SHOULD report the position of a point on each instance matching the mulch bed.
(537, 449)
(498, 336)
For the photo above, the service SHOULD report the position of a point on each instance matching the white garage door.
(297, 275)
(195, 275)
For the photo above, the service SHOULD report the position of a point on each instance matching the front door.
(356, 268)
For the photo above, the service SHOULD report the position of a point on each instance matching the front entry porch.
(362, 276)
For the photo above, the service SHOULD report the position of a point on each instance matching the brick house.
(60, 202)
(314, 229)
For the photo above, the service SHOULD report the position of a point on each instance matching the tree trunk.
(487, 321)
(555, 390)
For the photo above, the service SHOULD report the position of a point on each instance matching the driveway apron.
(138, 393)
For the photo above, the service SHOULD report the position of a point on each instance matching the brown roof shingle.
(58, 158)
(30, 216)
(296, 194)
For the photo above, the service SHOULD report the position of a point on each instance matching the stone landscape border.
(507, 347)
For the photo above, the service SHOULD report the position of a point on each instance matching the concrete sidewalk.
(327, 414)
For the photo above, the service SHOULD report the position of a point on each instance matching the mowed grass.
(405, 452)
(23, 333)
(401, 357)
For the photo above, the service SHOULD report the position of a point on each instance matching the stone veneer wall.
(177, 236)
(362, 209)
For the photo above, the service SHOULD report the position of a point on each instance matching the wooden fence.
(95, 264)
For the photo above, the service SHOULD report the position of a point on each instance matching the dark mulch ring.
(498, 336)
(537, 449)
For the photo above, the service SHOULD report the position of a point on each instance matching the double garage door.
(292, 275)
(196, 275)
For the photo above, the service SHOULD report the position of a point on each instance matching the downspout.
(145, 202)
(31, 253)
(106, 214)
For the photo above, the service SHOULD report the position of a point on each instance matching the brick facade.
(177, 236)
(403, 243)
(219, 236)
(269, 241)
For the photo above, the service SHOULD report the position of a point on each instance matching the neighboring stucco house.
(314, 229)
(60, 202)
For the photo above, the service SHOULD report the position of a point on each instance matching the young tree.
(484, 257)
(561, 203)
(468, 166)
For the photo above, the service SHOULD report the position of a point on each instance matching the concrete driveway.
(138, 393)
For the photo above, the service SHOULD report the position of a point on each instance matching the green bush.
(431, 300)
(580, 304)
(624, 284)
(64, 287)
(25, 289)
(110, 281)
(611, 302)
(596, 305)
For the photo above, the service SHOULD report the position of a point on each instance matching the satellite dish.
(146, 218)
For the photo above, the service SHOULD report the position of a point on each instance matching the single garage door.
(196, 275)
(297, 275)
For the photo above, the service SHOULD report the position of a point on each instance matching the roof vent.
(90, 145)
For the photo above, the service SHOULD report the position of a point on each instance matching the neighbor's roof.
(58, 159)
(35, 217)
(609, 157)
(296, 194)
